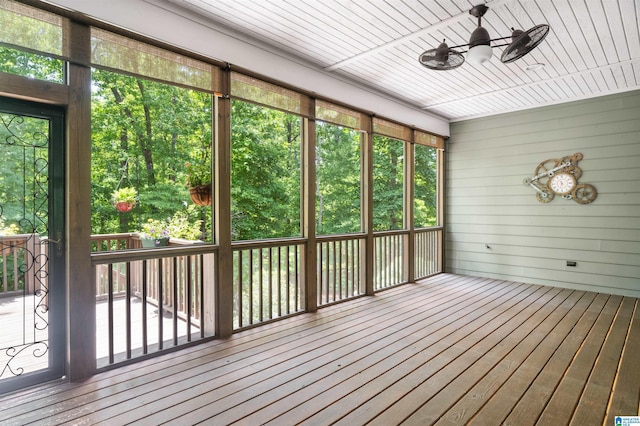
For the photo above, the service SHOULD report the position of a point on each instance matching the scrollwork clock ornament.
(560, 177)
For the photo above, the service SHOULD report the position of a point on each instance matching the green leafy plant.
(156, 229)
(183, 225)
(198, 174)
(125, 195)
(180, 225)
(6, 230)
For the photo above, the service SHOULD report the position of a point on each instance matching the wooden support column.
(81, 294)
(222, 213)
(309, 209)
(409, 217)
(367, 201)
(441, 190)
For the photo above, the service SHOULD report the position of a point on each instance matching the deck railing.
(150, 299)
(267, 281)
(389, 259)
(22, 264)
(340, 271)
(428, 251)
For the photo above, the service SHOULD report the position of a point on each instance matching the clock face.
(562, 183)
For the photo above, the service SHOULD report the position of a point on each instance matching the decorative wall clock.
(560, 177)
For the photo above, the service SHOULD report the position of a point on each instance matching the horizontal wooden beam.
(15, 86)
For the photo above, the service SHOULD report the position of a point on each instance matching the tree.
(388, 183)
(338, 177)
(143, 133)
(265, 172)
(425, 186)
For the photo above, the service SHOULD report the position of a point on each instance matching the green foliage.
(198, 174)
(143, 133)
(337, 179)
(31, 65)
(184, 224)
(425, 186)
(388, 183)
(155, 228)
(157, 137)
(265, 172)
(6, 230)
(181, 225)
(24, 150)
(125, 195)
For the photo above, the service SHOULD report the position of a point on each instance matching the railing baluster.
(188, 287)
(239, 289)
(110, 313)
(279, 281)
(346, 246)
(288, 272)
(160, 301)
(297, 278)
(128, 307)
(270, 282)
(251, 301)
(175, 301)
(321, 274)
(145, 345)
(201, 287)
(327, 271)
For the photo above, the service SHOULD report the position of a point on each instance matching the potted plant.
(124, 198)
(199, 182)
(155, 233)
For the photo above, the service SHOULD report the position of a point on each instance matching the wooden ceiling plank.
(630, 13)
(588, 16)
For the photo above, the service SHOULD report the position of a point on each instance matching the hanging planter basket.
(124, 199)
(124, 207)
(201, 195)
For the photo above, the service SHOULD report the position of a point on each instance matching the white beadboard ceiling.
(593, 47)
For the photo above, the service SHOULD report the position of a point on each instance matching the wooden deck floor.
(450, 350)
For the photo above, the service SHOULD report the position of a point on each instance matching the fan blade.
(441, 58)
(524, 42)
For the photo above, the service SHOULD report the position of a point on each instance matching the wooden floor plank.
(392, 387)
(532, 403)
(140, 374)
(593, 403)
(230, 366)
(303, 375)
(625, 398)
(562, 403)
(562, 318)
(358, 383)
(472, 401)
(441, 351)
(501, 403)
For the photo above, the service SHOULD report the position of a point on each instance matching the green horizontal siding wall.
(488, 205)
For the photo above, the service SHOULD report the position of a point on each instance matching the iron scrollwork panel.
(24, 204)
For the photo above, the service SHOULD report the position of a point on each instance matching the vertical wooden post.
(81, 297)
(223, 295)
(367, 201)
(409, 221)
(441, 207)
(309, 209)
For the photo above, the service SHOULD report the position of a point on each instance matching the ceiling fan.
(479, 49)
